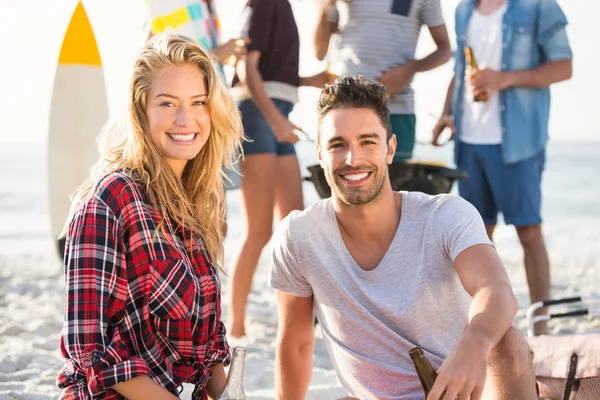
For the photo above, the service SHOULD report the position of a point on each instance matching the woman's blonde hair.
(197, 200)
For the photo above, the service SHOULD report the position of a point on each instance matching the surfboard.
(78, 111)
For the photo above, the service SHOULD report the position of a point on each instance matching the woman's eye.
(166, 104)
(199, 103)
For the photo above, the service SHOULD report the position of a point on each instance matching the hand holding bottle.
(463, 373)
(486, 80)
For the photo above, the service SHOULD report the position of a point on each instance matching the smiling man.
(386, 271)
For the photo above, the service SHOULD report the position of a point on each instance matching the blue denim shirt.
(533, 32)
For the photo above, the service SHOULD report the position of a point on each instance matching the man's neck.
(489, 6)
(372, 221)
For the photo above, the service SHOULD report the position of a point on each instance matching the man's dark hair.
(355, 92)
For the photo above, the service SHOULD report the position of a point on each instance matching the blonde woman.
(143, 245)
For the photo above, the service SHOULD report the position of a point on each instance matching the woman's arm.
(216, 384)
(143, 387)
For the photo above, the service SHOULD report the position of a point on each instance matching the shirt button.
(503, 26)
(502, 108)
(503, 129)
(504, 45)
(521, 29)
(503, 66)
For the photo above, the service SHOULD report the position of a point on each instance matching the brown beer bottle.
(472, 65)
(425, 370)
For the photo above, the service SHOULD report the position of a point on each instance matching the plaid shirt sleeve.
(96, 294)
(218, 352)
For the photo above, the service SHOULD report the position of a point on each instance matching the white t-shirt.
(371, 319)
(481, 120)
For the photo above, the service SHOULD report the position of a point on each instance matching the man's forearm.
(259, 94)
(449, 95)
(323, 32)
(439, 57)
(539, 77)
(491, 315)
(293, 369)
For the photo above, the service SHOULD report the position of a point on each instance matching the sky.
(31, 34)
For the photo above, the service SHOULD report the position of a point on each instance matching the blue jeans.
(257, 129)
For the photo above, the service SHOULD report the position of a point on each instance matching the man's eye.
(336, 145)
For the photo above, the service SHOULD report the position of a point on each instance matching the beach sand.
(32, 288)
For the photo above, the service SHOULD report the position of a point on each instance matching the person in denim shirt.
(522, 48)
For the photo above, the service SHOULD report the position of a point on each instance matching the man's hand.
(487, 80)
(463, 373)
(397, 78)
(444, 122)
(283, 130)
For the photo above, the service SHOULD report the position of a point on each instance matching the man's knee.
(529, 234)
(512, 353)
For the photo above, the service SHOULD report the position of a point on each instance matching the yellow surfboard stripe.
(175, 19)
(79, 45)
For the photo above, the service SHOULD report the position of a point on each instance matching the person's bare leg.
(489, 229)
(288, 187)
(510, 371)
(537, 268)
(258, 196)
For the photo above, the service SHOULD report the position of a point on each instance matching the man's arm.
(440, 55)
(295, 344)
(538, 77)
(325, 27)
(491, 315)
(446, 119)
(398, 77)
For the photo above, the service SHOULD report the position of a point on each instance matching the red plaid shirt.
(136, 303)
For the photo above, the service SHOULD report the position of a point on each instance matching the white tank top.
(481, 122)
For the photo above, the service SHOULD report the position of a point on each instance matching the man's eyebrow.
(370, 135)
(177, 98)
(336, 139)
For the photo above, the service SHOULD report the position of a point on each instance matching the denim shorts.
(403, 126)
(257, 129)
(493, 187)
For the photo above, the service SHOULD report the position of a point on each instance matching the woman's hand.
(283, 130)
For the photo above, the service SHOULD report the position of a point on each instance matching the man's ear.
(319, 157)
(391, 149)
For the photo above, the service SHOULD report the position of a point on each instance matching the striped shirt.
(136, 303)
(376, 35)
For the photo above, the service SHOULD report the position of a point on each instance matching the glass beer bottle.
(425, 370)
(234, 385)
(472, 65)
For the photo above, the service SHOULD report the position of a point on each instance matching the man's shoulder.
(426, 206)
(429, 200)
(311, 216)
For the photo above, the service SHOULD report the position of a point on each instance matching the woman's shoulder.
(118, 189)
